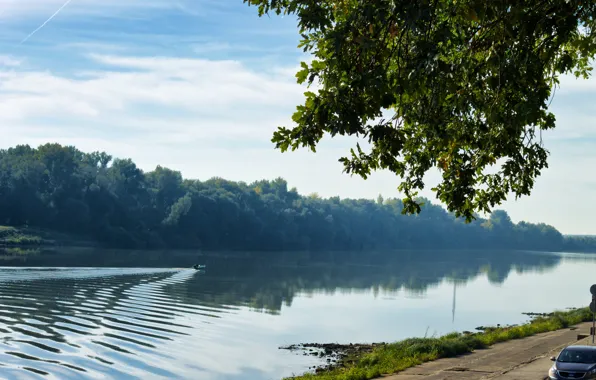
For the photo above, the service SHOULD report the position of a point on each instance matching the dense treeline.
(117, 204)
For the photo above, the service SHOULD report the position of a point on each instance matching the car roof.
(581, 348)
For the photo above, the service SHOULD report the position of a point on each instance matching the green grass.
(22, 251)
(24, 236)
(23, 240)
(11, 236)
(396, 357)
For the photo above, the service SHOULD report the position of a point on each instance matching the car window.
(577, 356)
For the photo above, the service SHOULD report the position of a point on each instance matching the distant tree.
(500, 218)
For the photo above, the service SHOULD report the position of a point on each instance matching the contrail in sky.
(46, 21)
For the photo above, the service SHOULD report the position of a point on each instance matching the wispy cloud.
(195, 86)
(6, 60)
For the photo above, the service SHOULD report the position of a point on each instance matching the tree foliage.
(118, 204)
(467, 84)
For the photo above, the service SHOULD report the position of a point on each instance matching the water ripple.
(96, 323)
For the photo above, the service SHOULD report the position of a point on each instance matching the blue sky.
(200, 85)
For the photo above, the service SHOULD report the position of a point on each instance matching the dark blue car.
(574, 362)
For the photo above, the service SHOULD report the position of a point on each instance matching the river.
(83, 313)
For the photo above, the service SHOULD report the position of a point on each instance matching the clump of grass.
(19, 251)
(396, 357)
(23, 240)
(11, 236)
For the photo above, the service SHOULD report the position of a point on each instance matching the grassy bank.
(395, 357)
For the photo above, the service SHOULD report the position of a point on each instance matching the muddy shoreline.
(332, 355)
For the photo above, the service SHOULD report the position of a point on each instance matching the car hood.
(583, 367)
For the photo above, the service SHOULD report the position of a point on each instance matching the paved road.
(523, 359)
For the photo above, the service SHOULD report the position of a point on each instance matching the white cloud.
(199, 88)
(8, 61)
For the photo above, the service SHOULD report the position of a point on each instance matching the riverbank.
(385, 359)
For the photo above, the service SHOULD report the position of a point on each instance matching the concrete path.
(522, 359)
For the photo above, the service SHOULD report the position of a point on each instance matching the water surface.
(228, 322)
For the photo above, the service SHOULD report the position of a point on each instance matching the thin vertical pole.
(593, 332)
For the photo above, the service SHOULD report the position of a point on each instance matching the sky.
(199, 86)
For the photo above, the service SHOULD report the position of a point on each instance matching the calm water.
(228, 322)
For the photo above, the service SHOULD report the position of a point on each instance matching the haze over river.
(126, 315)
